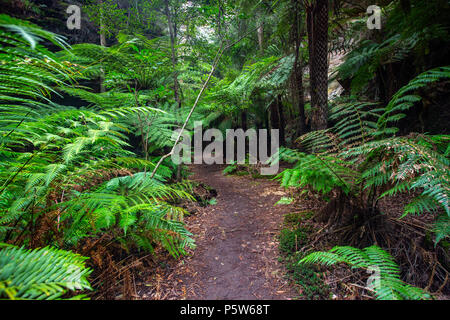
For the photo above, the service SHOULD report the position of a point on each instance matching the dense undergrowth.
(363, 162)
(68, 174)
(292, 238)
(370, 155)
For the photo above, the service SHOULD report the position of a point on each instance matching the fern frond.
(386, 283)
(40, 274)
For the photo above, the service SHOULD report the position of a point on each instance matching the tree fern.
(409, 164)
(27, 72)
(404, 99)
(75, 152)
(386, 283)
(321, 173)
(132, 203)
(41, 274)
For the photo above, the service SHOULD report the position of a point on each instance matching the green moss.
(312, 287)
(292, 240)
(294, 219)
(257, 175)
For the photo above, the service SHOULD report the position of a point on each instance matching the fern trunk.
(317, 20)
(297, 74)
(103, 44)
(172, 35)
(282, 120)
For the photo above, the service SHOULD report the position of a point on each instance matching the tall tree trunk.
(274, 115)
(266, 120)
(244, 120)
(317, 20)
(261, 38)
(282, 123)
(103, 44)
(298, 95)
(220, 14)
(309, 30)
(176, 88)
(277, 117)
(172, 35)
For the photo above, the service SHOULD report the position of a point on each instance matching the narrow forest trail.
(237, 248)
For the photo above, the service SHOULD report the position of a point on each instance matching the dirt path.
(237, 248)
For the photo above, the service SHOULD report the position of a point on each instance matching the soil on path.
(237, 253)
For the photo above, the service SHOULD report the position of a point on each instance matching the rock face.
(334, 88)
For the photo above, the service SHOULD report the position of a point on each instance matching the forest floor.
(237, 255)
(237, 252)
